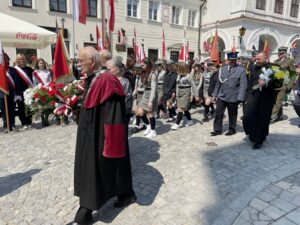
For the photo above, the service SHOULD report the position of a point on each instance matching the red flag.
(214, 54)
(184, 52)
(205, 46)
(164, 46)
(61, 62)
(111, 21)
(99, 42)
(3, 67)
(266, 48)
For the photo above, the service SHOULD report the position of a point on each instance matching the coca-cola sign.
(29, 36)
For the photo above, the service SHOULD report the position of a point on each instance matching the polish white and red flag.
(142, 53)
(99, 40)
(184, 51)
(80, 11)
(135, 47)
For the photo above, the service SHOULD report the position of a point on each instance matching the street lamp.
(242, 32)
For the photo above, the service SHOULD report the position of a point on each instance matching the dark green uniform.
(286, 64)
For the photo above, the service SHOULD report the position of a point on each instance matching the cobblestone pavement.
(182, 177)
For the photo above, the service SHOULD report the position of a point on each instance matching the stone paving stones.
(182, 177)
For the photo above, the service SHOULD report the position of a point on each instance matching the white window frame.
(158, 10)
(33, 4)
(180, 15)
(138, 9)
(195, 19)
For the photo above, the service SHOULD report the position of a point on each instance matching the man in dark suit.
(230, 90)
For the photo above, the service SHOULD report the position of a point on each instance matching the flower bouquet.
(38, 100)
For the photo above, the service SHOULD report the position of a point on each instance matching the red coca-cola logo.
(29, 36)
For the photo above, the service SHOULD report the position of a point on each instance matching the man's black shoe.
(212, 111)
(215, 133)
(137, 129)
(205, 119)
(298, 125)
(83, 217)
(125, 202)
(256, 146)
(230, 132)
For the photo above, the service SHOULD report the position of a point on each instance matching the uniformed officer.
(287, 65)
(230, 90)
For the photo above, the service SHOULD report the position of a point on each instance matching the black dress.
(258, 108)
(102, 161)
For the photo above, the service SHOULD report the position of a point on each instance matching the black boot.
(83, 216)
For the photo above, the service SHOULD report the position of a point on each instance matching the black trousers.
(25, 119)
(11, 110)
(219, 114)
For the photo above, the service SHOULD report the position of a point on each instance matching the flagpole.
(73, 30)
(103, 20)
(6, 112)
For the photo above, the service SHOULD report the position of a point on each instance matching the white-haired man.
(102, 162)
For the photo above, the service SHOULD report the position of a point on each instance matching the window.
(85, 44)
(153, 54)
(192, 18)
(174, 55)
(279, 6)
(191, 55)
(132, 8)
(58, 5)
(153, 10)
(261, 4)
(92, 8)
(294, 8)
(23, 3)
(130, 52)
(175, 15)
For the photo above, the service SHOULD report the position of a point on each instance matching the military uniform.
(230, 90)
(286, 64)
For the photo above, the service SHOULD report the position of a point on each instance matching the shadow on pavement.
(146, 179)
(294, 121)
(14, 181)
(235, 168)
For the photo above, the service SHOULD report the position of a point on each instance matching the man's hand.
(261, 82)
(17, 98)
(197, 99)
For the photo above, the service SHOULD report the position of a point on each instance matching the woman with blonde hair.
(184, 89)
(148, 104)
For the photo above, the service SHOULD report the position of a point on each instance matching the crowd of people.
(170, 89)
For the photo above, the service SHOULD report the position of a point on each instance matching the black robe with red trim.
(102, 161)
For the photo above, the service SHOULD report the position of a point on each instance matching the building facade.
(275, 22)
(148, 17)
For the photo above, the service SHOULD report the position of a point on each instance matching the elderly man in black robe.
(102, 162)
(259, 102)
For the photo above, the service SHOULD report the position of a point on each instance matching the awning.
(20, 34)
